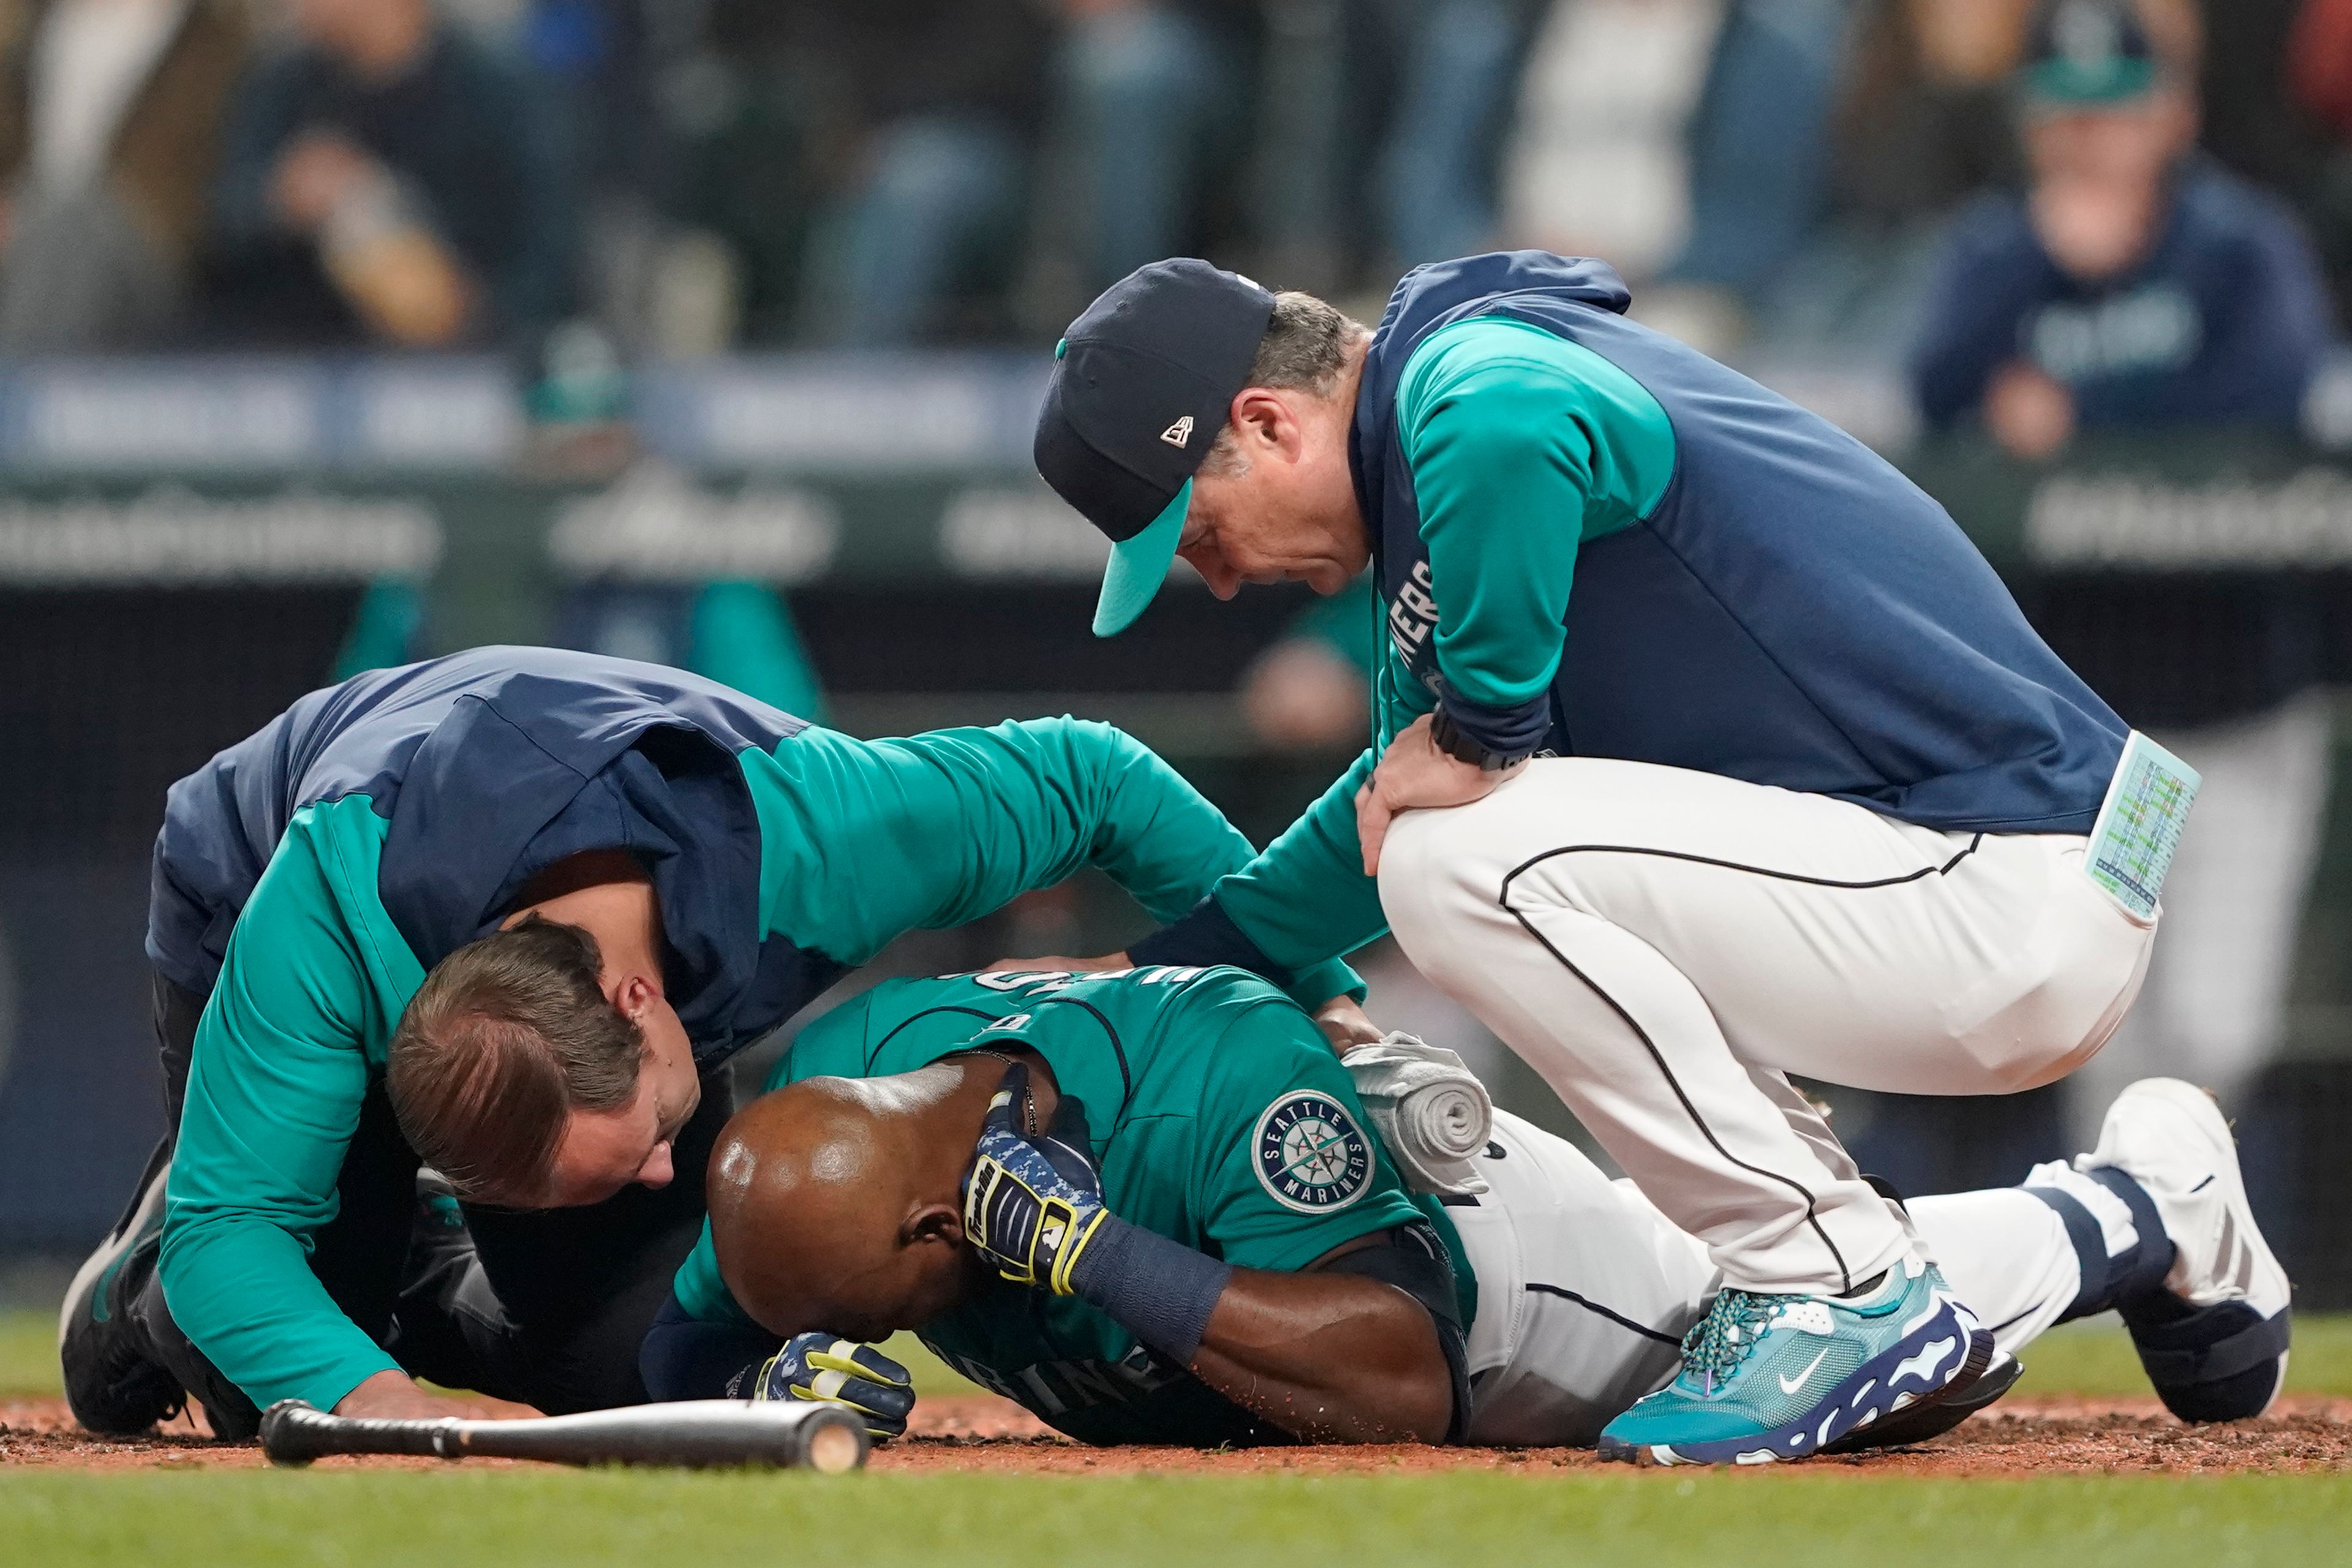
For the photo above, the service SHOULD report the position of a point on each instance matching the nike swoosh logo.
(1790, 1384)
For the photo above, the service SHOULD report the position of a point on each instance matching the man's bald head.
(833, 1203)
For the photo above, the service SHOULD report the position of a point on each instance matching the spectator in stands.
(875, 171)
(1683, 140)
(1450, 90)
(2317, 64)
(1389, 114)
(1760, 146)
(108, 114)
(2134, 283)
(390, 177)
(1153, 94)
(1306, 693)
(1600, 159)
(2135, 286)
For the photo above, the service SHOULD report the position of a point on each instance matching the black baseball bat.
(704, 1434)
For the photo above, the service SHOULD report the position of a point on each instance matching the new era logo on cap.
(1158, 358)
(1176, 337)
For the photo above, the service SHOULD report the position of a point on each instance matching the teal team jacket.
(307, 878)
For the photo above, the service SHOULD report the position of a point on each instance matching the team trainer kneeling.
(1150, 1207)
(618, 876)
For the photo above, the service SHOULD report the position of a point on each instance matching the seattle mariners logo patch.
(1311, 1156)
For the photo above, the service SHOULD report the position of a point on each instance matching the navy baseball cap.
(1140, 388)
(2086, 53)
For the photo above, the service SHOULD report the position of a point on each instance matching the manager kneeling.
(1714, 751)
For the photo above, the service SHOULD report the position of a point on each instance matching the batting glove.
(823, 1370)
(1031, 1208)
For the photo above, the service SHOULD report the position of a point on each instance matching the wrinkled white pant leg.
(1655, 942)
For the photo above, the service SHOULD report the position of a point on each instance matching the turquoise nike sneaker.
(1767, 1377)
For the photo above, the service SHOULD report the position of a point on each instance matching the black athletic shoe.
(1917, 1423)
(113, 1383)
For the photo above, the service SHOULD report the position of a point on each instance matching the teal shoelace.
(1727, 1336)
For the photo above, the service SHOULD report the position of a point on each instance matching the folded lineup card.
(2139, 824)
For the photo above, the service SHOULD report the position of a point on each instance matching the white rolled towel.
(1429, 1110)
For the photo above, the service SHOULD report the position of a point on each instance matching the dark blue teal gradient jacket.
(306, 877)
(1755, 594)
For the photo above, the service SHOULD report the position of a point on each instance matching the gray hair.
(1305, 350)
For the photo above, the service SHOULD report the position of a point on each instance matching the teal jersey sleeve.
(281, 1066)
(742, 634)
(1222, 1117)
(1522, 446)
(1306, 900)
(861, 840)
(1286, 1164)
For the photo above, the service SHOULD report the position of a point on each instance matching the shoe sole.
(1866, 1395)
(90, 1279)
(1916, 1424)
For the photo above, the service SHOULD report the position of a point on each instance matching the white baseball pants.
(1585, 1289)
(1664, 946)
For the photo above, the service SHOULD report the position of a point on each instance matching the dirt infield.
(981, 1433)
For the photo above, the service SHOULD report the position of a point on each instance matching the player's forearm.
(1328, 1357)
(1304, 901)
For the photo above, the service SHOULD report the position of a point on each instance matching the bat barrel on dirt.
(713, 1434)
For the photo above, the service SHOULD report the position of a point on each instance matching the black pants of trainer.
(545, 1308)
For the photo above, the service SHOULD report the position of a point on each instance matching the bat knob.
(833, 1442)
(277, 1434)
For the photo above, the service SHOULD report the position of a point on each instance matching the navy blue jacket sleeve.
(682, 1358)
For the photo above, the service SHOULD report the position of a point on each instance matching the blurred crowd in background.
(2039, 222)
(678, 178)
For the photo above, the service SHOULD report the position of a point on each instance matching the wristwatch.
(1450, 738)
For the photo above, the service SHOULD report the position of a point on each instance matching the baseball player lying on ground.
(1149, 1206)
(618, 876)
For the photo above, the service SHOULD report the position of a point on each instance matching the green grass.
(385, 1519)
(28, 1354)
(2089, 1358)
(2095, 1357)
(189, 1514)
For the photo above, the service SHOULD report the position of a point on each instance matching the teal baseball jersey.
(1221, 1119)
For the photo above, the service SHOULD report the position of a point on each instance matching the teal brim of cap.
(2090, 85)
(1139, 565)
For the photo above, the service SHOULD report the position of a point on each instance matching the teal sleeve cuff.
(327, 1390)
(1319, 982)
